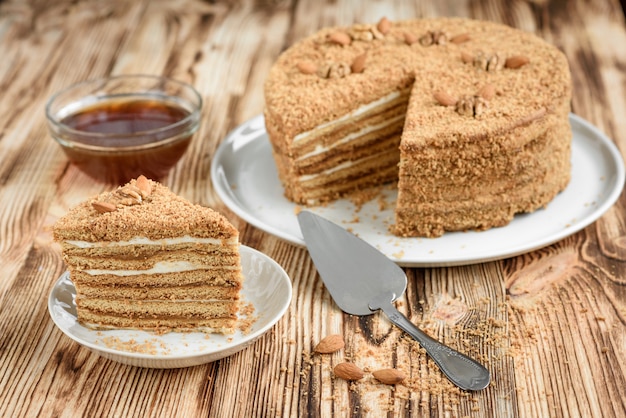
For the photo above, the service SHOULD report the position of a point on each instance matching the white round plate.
(266, 286)
(244, 176)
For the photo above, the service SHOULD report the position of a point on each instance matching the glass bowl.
(117, 128)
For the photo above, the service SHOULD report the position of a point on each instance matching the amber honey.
(117, 128)
(118, 139)
(121, 117)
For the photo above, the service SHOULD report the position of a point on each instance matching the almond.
(340, 38)
(348, 371)
(358, 65)
(459, 39)
(389, 376)
(144, 186)
(487, 92)
(410, 39)
(467, 58)
(444, 98)
(307, 67)
(330, 344)
(383, 26)
(103, 207)
(516, 61)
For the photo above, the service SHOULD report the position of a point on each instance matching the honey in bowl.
(119, 135)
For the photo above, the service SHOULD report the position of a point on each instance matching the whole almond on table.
(389, 376)
(348, 371)
(330, 344)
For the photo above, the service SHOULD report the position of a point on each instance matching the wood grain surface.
(550, 324)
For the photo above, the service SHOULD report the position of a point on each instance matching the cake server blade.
(362, 280)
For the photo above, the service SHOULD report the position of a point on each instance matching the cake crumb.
(361, 197)
(133, 346)
(247, 318)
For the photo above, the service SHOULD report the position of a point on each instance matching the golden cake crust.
(163, 215)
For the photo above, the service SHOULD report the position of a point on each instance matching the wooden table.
(550, 325)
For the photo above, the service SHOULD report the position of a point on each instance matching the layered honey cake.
(142, 257)
(470, 118)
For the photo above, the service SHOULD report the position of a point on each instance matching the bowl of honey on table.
(117, 128)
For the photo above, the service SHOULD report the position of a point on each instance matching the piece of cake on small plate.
(142, 257)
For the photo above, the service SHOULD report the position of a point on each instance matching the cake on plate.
(470, 118)
(142, 257)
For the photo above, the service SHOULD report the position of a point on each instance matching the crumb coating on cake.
(162, 214)
(297, 102)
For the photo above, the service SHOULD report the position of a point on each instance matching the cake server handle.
(462, 370)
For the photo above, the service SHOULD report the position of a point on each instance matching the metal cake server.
(362, 280)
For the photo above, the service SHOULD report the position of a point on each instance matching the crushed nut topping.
(365, 33)
(334, 70)
(483, 61)
(471, 106)
(436, 37)
(130, 194)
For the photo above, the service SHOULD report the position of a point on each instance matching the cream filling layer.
(346, 139)
(338, 167)
(147, 241)
(168, 301)
(343, 119)
(345, 165)
(160, 267)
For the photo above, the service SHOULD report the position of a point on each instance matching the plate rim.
(229, 198)
(240, 344)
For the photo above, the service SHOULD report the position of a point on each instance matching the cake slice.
(142, 257)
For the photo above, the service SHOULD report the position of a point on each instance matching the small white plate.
(266, 286)
(244, 175)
